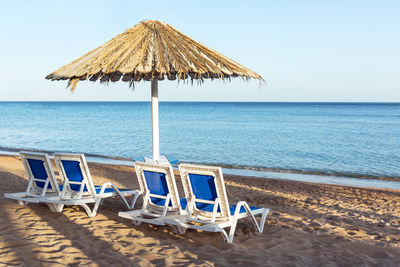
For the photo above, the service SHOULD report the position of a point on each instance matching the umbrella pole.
(154, 118)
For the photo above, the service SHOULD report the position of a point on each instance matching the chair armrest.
(239, 205)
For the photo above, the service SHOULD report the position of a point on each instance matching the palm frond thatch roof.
(151, 49)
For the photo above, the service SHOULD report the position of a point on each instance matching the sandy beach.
(309, 225)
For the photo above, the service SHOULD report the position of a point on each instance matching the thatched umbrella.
(151, 51)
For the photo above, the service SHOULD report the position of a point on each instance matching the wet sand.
(309, 225)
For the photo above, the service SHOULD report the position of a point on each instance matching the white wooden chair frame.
(83, 198)
(213, 221)
(34, 193)
(150, 212)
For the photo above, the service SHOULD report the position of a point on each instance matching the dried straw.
(151, 50)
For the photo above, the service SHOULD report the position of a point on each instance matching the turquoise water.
(326, 138)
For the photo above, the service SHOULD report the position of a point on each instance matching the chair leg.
(51, 207)
(108, 184)
(88, 211)
(58, 207)
(232, 231)
(22, 203)
(258, 225)
(178, 230)
(135, 197)
(228, 238)
(96, 206)
(262, 220)
(55, 207)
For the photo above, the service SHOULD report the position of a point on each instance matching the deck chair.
(42, 180)
(208, 208)
(78, 188)
(160, 194)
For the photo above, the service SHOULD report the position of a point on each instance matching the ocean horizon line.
(191, 101)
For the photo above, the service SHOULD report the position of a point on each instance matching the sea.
(317, 142)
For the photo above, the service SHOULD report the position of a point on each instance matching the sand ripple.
(309, 225)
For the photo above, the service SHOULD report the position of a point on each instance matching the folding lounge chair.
(160, 194)
(42, 180)
(78, 188)
(208, 208)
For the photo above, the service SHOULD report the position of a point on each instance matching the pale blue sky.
(305, 50)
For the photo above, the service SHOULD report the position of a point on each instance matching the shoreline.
(308, 224)
(266, 173)
(115, 164)
(256, 169)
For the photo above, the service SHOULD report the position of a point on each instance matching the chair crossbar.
(204, 201)
(73, 182)
(158, 196)
(39, 179)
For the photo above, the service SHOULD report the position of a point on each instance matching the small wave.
(299, 171)
(14, 149)
(252, 169)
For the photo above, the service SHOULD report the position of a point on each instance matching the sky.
(306, 51)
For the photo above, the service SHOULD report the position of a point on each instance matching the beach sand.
(308, 225)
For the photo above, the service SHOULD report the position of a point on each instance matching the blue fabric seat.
(210, 207)
(242, 209)
(203, 187)
(157, 184)
(39, 172)
(74, 173)
(161, 202)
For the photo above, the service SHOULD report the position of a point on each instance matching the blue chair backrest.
(156, 183)
(39, 172)
(74, 173)
(203, 187)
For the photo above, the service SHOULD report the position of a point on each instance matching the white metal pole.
(154, 119)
